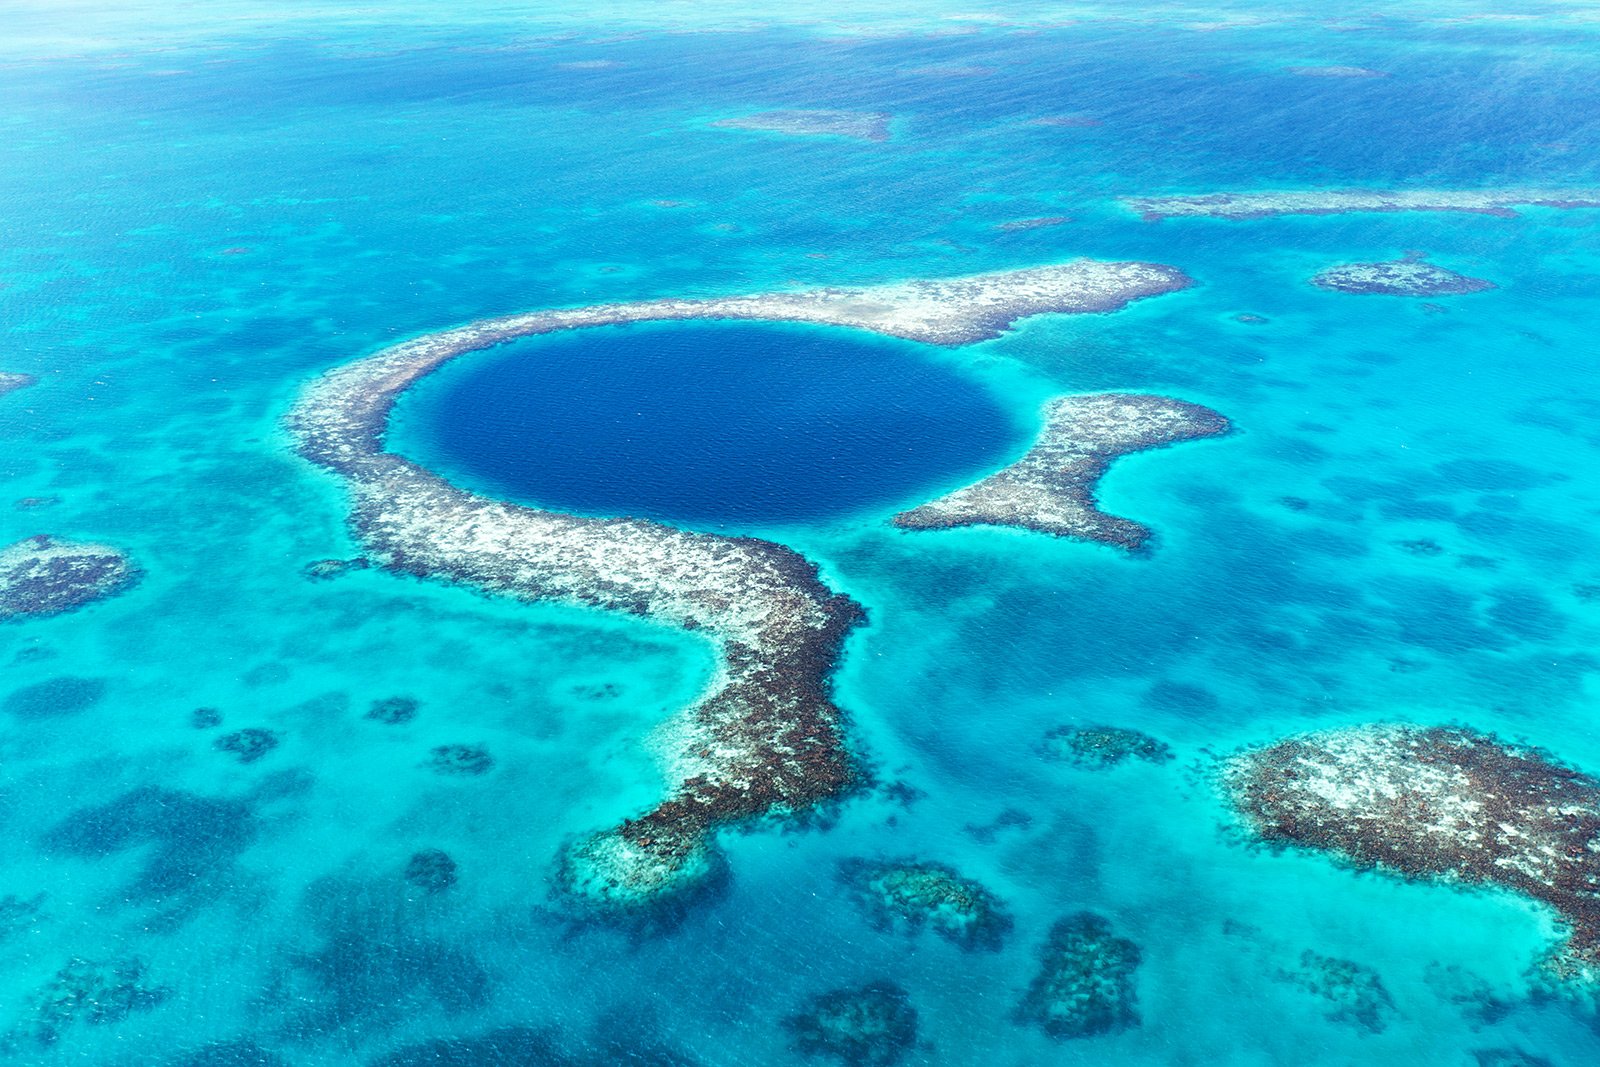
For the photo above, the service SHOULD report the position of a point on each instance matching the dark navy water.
(708, 423)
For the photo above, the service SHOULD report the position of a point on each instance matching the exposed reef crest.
(861, 125)
(1051, 489)
(42, 575)
(766, 738)
(1501, 202)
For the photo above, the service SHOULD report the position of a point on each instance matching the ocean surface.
(202, 210)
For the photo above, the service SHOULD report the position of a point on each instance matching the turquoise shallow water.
(197, 219)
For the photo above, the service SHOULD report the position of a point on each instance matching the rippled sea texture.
(225, 790)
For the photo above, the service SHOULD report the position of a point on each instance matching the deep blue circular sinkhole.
(705, 423)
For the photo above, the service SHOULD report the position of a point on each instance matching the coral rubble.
(1441, 803)
(913, 894)
(1099, 747)
(870, 1026)
(43, 575)
(767, 738)
(1411, 275)
(1085, 984)
(861, 125)
(1339, 201)
(1051, 489)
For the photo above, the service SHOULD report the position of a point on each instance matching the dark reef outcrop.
(910, 895)
(393, 711)
(247, 745)
(870, 1026)
(1437, 803)
(1085, 984)
(767, 739)
(431, 870)
(42, 575)
(462, 760)
(1411, 275)
(1051, 489)
(1100, 747)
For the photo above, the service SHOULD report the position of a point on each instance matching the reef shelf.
(1501, 202)
(861, 125)
(1436, 803)
(766, 738)
(43, 575)
(1409, 276)
(1051, 489)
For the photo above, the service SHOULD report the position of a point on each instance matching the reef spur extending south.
(766, 738)
(1051, 489)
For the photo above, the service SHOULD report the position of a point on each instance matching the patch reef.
(766, 739)
(1051, 489)
(1437, 803)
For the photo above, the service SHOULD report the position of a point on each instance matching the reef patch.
(1501, 202)
(1355, 993)
(43, 575)
(1436, 803)
(1052, 488)
(1411, 275)
(1085, 983)
(1099, 748)
(870, 1026)
(10, 382)
(767, 739)
(87, 992)
(860, 125)
(910, 895)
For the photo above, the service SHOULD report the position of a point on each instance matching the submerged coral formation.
(1411, 275)
(1099, 747)
(767, 738)
(1085, 985)
(1339, 201)
(11, 381)
(913, 894)
(1355, 993)
(1051, 489)
(431, 869)
(393, 711)
(862, 125)
(467, 760)
(870, 1026)
(1436, 803)
(84, 991)
(249, 744)
(42, 575)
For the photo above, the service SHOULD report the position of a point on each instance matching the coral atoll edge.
(767, 738)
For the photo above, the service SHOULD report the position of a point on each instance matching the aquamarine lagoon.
(841, 534)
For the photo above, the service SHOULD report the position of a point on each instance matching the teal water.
(383, 175)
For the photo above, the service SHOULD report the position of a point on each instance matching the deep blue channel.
(707, 424)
